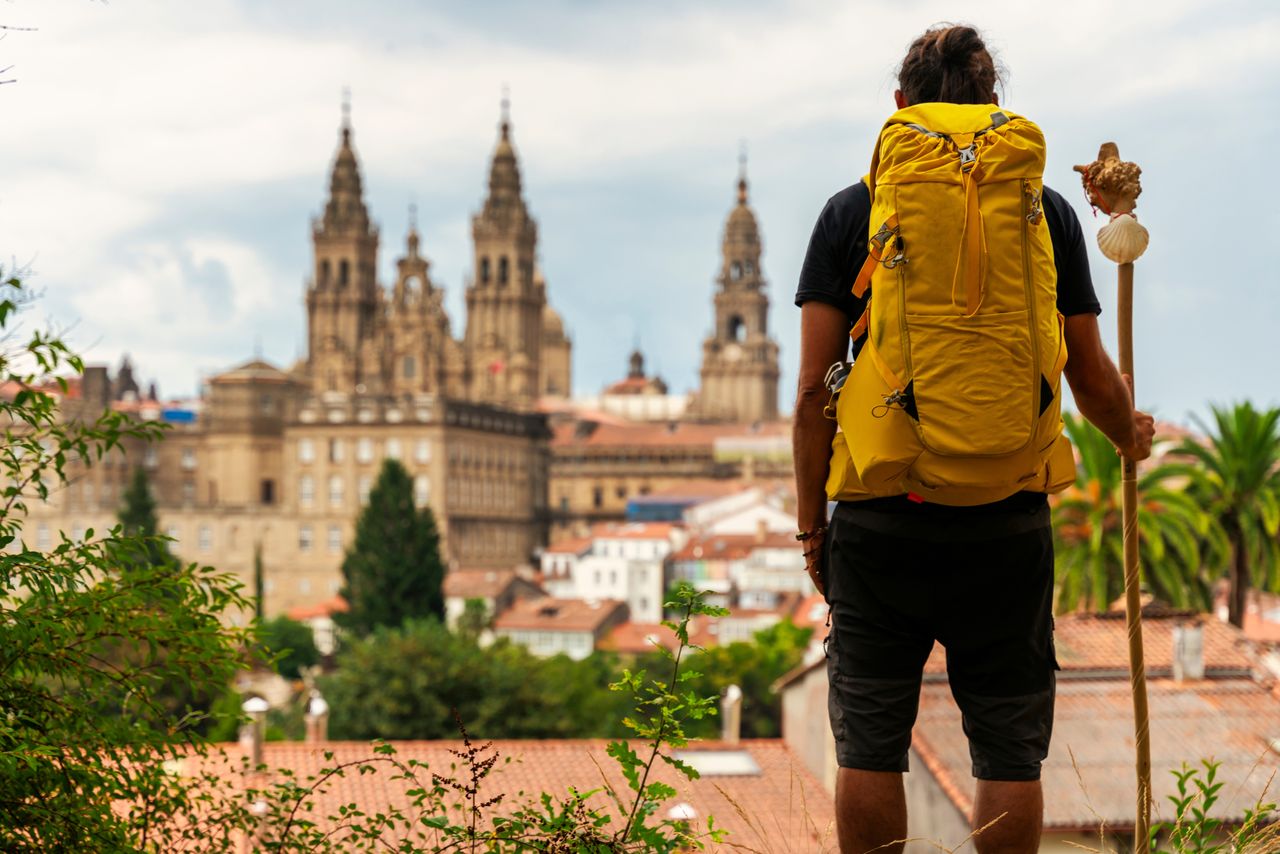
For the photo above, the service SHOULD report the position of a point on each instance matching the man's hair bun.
(948, 63)
(957, 45)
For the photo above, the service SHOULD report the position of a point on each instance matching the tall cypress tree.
(392, 569)
(137, 518)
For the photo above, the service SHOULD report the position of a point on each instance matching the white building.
(625, 562)
(548, 627)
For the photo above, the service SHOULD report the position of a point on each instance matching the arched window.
(325, 272)
(503, 270)
(735, 271)
(344, 272)
(409, 367)
(484, 271)
(737, 329)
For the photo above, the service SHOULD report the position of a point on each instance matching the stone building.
(274, 465)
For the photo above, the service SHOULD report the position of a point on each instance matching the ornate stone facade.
(273, 466)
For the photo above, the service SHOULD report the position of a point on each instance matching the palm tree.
(1239, 486)
(1177, 538)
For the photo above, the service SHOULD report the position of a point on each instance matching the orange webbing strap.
(861, 325)
(886, 235)
(969, 263)
(877, 245)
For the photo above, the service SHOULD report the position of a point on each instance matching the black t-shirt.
(838, 248)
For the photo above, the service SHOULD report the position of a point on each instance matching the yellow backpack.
(954, 397)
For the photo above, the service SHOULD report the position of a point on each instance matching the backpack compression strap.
(878, 244)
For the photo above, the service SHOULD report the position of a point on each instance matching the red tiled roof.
(1088, 642)
(572, 546)
(676, 434)
(781, 808)
(1229, 720)
(633, 530)
(701, 488)
(638, 638)
(327, 608)
(560, 615)
(733, 546)
(478, 583)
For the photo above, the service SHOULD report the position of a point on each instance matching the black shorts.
(983, 589)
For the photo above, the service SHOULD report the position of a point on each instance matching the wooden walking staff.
(1112, 186)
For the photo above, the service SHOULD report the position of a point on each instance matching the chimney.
(762, 530)
(731, 715)
(1188, 652)
(253, 731)
(317, 719)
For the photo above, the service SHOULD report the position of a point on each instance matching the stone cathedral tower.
(342, 296)
(739, 359)
(506, 298)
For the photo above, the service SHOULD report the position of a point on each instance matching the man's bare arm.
(1101, 392)
(824, 340)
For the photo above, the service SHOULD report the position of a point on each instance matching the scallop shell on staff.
(1124, 239)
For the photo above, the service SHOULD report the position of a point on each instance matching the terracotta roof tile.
(478, 583)
(564, 615)
(1230, 720)
(638, 638)
(781, 808)
(572, 546)
(676, 434)
(327, 608)
(633, 530)
(1087, 642)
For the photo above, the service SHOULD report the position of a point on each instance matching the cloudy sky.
(160, 161)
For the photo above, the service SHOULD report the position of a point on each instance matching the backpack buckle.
(968, 156)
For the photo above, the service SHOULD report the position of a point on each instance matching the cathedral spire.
(345, 211)
(504, 171)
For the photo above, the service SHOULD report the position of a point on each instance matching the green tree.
(1240, 488)
(293, 642)
(1178, 546)
(392, 570)
(753, 667)
(137, 518)
(84, 731)
(407, 682)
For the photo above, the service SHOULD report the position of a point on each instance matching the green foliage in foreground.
(94, 635)
(1195, 829)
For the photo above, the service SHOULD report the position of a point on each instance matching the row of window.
(468, 493)
(337, 490)
(303, 587)
(336, 450)
(333, 539)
